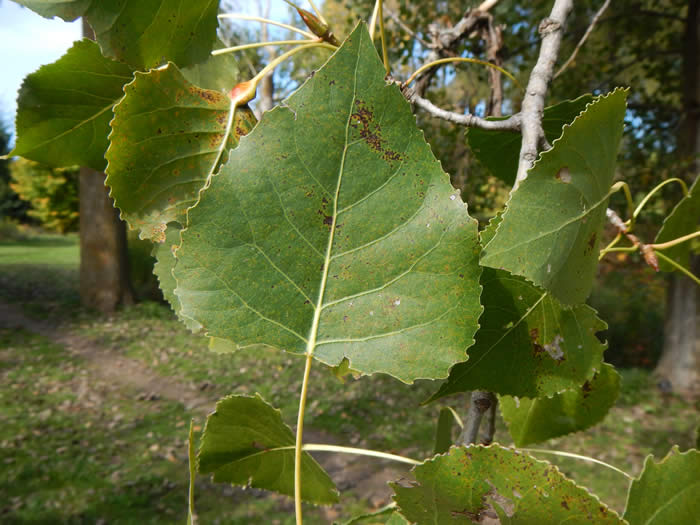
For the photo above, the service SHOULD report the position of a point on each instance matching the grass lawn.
(72, 451)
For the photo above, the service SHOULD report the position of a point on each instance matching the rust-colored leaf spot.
(587, 389)
(363, 121)
(565, 504)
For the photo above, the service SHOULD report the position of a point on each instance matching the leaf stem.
(678, 267)
(628, 195)
(655, 190)
(261, 44)
(385, 55)
(318, 12)
(299, 438)
(610, 246)
(373, 20)
(674, 242)
(238, 16)
(459, 59)
(576, 456)
(284, 56)
(191, 518)
(360, 452)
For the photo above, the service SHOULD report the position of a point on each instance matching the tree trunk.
(679, 367)
(267, 91)
(104, 266)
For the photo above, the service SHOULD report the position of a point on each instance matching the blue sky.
(28, 41)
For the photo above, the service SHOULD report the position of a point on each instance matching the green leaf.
(528, 345)
(218, 72)
(534, 420)
(333, 230)
(666, 492)
(683, 220)
(470, 484)
(238, 446)
(168, 137)
(552, 224)
(64, 108)
(68, 10)
(443, 433)
(499, 150)
(163, 269)
(148, 34)
(143, 34)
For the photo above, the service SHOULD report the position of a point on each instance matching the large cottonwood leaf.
(552, 224)
(540, 419)
(528, 343)
(239, 445)
(64, 108)
(467, 485)
(168, 137)
(683, 220)
(666, 492)
(143, 34)
(499, 150)
(163, 269)
(332, 229)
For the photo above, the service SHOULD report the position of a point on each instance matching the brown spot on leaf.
(363, 121)
(587, 389)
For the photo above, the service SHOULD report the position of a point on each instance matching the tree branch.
(551, 29)
(583, 38)
(472, 121)
(480, 403)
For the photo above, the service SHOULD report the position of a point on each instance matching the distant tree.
(52, 193)
(10, 204)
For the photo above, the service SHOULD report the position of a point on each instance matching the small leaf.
(218, 72)
(468, 485)
(333, 230)
(553, 222)
(666, 492)
(64, 108)
(443, 433)
(683, 220)
(238, 447)
(499, 150)
(529, 344)
(534, 420)
(168, 137)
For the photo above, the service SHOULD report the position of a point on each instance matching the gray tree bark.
(104, 264)
(679, 367)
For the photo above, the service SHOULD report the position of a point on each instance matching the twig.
(480, 403)
(472, 121)
(490, 431)
(583, 38)
(551, 29)
(444, 41)
(405, 27)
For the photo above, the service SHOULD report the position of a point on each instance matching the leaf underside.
(333, 229)
(166, 141)
(468, 485)
(499, 150)
(534, 420)
(666, 492)
(528, 344)
(565, 195)
(64, 108)
(237, 447)
(683, 220)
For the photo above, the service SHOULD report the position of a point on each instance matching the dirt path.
(366, 477)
